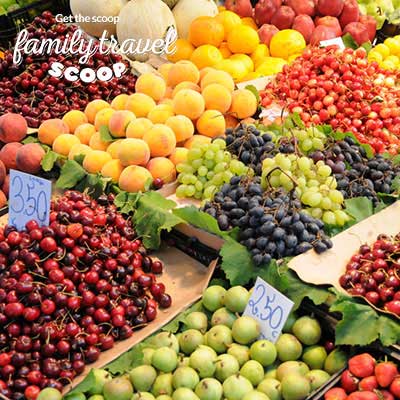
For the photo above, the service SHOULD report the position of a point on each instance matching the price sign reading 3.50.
(270, 307)
(29, 199)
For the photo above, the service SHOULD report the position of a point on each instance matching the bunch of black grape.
(271, 224)
(356, 174)
(250, 145)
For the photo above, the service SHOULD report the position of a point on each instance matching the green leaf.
(359, 208)
(396, 160)
(79, 158)
(174, 325)
(349, 41)
(49, 160)
(88, 384)
(30, 139)
(367, 46)
(128, 360)
(105, 134)
(276, 276)
(389, 331)
(254, 90)
(148, 184)
(94, 184)
(297, 120)
(126, 202)
(153, 215)
(396, 184)
(71, 174)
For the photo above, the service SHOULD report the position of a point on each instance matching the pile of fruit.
(69, 290)
(374, 273)
(28, 89)
(343, 89)
(367, 378)
(221, 356)
(387, 54)
(148, 133)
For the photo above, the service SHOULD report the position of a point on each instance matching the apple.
(358, 31)
(331, 22)
(243, 8)
(283, 18)
(264, 10)
(330, 7)
(370, 22)
(302, 6)
(350, 13)
(266, 32)
(322, 32)
(305, 25)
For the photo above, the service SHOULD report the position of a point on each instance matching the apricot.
(185, 85)
(85, 132)
(182, 126)
(217, 97)
(3, 199)
(151, 84)
(77, 150)
(3, 172)
(50, 129)
(96, 143)
(179, 155)
(189, 103)
(160, 113)
(113, 148)
(138, 127)
(119, 122)
(63, 143)
(6, 185)
(211, 124)
(8, 154)
(244, 103)
(134, 179)
(231, 121)
(161, 140)
(162, 168)
(112, 169)
(95, 160)
(133, 152)
(29, 157)
(168, 95)
(73, 119)
(183, 71)
(164, 70)
(119, 102)
(140, 104)
(103, 117)
(221, 77)
(166, 101)
(94, 107)
(205, 71)
(13, 128)
(197, 140)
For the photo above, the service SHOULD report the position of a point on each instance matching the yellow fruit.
(375, 56)
(179, 155)
(133, 152)
(211, 124)
(159, 114)
(393, 45)
(94, 107)
(388, 65)
(119, 102)
(245, 59)
(394, 59)
(140, 104)
(185, 85)
(236, 69)
(182, 126)
(74, 118)
(85, 132)
(196, 140)
(189, 103)
(286, 43)
(103, 118)
(205, 71)
(50, 129)
(183, 50)
(293, 57)
(151, 84)
(164, 70)
(260, 52)
(206, 56)
(224, 50)
(95, 160)
(271, 66)
(112, 169)
(243, 39)
(63, 143)
(221, 77)
(217, 97)
(244, 104)
(229, 20)
(138, 127)
(206, 30)
(119, 121)
(382, 49)
(113, 148)
(162, 168)
(252, 75)
(78, 149)
(183, 71)
(96, 143)
(161, 140)
(134, 179)
(248, 21)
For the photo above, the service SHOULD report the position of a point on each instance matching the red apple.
(305, 25)
(266, 32)
(350, 13)
(330, 7)
(243, 8)
(331, 22)
(370, 22)
(302, 6)
(283, 18)
(358, 31)
(264, 10)
(322, 32)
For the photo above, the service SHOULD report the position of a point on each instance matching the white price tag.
(338, 41)
(270, 308)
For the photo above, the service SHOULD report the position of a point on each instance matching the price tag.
(338, 41)
(29, 199)
(270, 308)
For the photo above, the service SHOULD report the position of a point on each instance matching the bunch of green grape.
(207, 168)
(313, 183)
(308, 139)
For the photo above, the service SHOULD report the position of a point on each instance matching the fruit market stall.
(220, 218)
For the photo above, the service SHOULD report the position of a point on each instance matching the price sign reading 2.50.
(270, 307)
(29, 199)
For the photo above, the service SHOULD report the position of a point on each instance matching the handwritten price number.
(265, 309)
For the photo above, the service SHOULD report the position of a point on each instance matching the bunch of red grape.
(343, 89)
(374, 273)
(28, 88)
(69, 290)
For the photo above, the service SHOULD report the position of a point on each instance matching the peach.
(266, 32)
(29, 157)
(85, 132)
(151, 84)
(283, 18)
(63, 143)
(206, 70)
(166, 101)
(305, 25)
(94, 107)
(162, 168)
(103, 117)
(96, 143)
(140, 104)
(6, 185)
(161, 140)
(95, 160)
(189, 103)
(133, 152)
(185, 85)
(350, 13)
(50, 129)
(211, 124)
(112, 169)
(77, 150)
(160, 113)
(74, 118)
(3, 198)
(231, 121)
(330, 7)
(113, 148)
(138, 127)
(221, 77)
(217, 97)
(183, 71)
(164, 69)
(179, 155)
(3, 172)
(244, 104)
(8, 154)
(197, 140)
(134, 179)
(182, 126)
(119, 122)
(119, 102)
(13, 128)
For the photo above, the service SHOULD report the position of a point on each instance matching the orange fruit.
(248, 21)
(243, 39)
(236, 69)
(206, 30)
(260, 52)
(245, 59)
(229, 20)
(206, 56)
(183, 50)
(224, 49)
